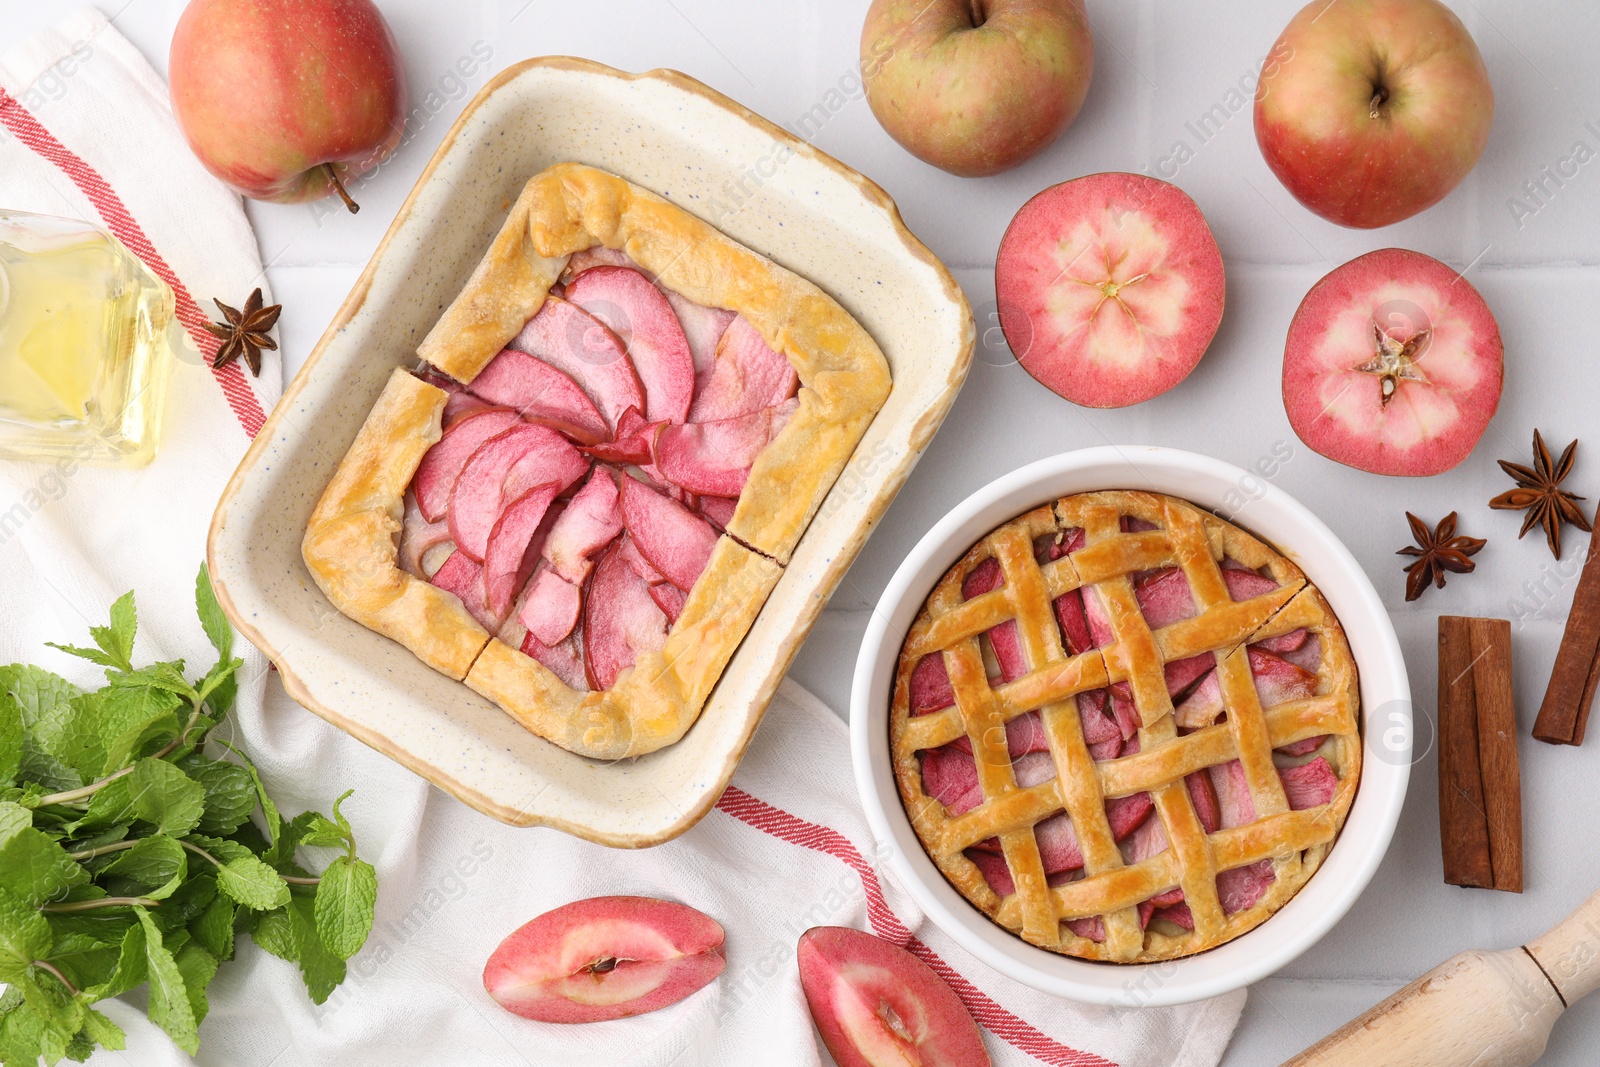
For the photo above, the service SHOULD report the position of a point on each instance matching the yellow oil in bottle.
(84, 357)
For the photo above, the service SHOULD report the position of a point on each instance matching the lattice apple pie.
(580, 504)
(1126, 729)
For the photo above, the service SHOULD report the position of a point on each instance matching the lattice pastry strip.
(1230, 808)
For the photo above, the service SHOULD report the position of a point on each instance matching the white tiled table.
(1160, 66)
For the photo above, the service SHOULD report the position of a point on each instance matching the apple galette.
(579, 504)
(1126, 729)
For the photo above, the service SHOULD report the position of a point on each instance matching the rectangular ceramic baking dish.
(761, 186)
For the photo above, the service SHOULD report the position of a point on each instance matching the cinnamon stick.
(1480, 785)
(1565, 711)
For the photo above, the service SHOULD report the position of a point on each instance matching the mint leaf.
(223, 849)
(153, 868)
(37, 869)
(93, 655)
(43, 702)
(24, 936)
(345, 900)
(24, 1038)
(220, 686)
(198, 967)
(117, 640)
(10, 740)
(79, 742)
(268, 808)
(45, 996)
(253, 884)
(168, 676)
(276, 934)
(320, 968)
(132, 967)
(213, 930)
(212, 619)
(13, 819)
(169, 1006)
(166, 797)
(230, 794)
(102, 1031)
(131, 716)
(319, 831)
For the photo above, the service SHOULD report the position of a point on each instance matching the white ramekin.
(1271, 514)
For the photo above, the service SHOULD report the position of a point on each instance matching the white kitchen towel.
(85, 130)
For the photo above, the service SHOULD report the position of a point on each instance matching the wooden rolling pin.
(1486, 1009)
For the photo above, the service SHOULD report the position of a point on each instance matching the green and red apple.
(287, 100)
(1382, 109)
(976, 86)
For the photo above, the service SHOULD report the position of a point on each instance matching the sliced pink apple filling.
(584, 476)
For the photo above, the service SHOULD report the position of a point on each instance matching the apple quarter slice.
(1110, 288)
(462, 576)
(746, 376)
(576, 343)
(669, 598)
(550, 610)
(714, 458)
(1393, 365)
(675, 540)
(703, 327)
(511, 552)
(640, 316)
(620, 620)
(441, 466)
(564, 660)
(500, 471)
(590, 522)
(541, 394)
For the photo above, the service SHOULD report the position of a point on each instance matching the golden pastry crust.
(655, 701)
(352, 542)
(1195, 541)
(569, 208)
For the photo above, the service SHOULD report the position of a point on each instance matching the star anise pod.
(244, 332)
(1539, 493)
(1438, 550)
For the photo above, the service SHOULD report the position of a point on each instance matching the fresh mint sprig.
(129, 856)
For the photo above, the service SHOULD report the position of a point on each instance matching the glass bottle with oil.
(84, 357)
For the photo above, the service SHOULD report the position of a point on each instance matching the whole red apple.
(1382, 107)
(976, 86)
(286, 100)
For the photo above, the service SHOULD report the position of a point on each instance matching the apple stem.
(333, 176)
(976, 12)
(1378, 99)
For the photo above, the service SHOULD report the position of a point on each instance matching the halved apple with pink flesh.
(875, 1003)
(511, 552)
(1393, 365)
(576, 343)
(714, 458)
(542, 394)
(746, 376)
(605, 958)
(620, 620)
(1110, 288)
(501, 470)
(675, 540)
(640, 316)
(441, 466)
(592, 520)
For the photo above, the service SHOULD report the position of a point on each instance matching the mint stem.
(198, 851)
(293, 879)
(46, 965)
(116, 846)
(102, 902)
